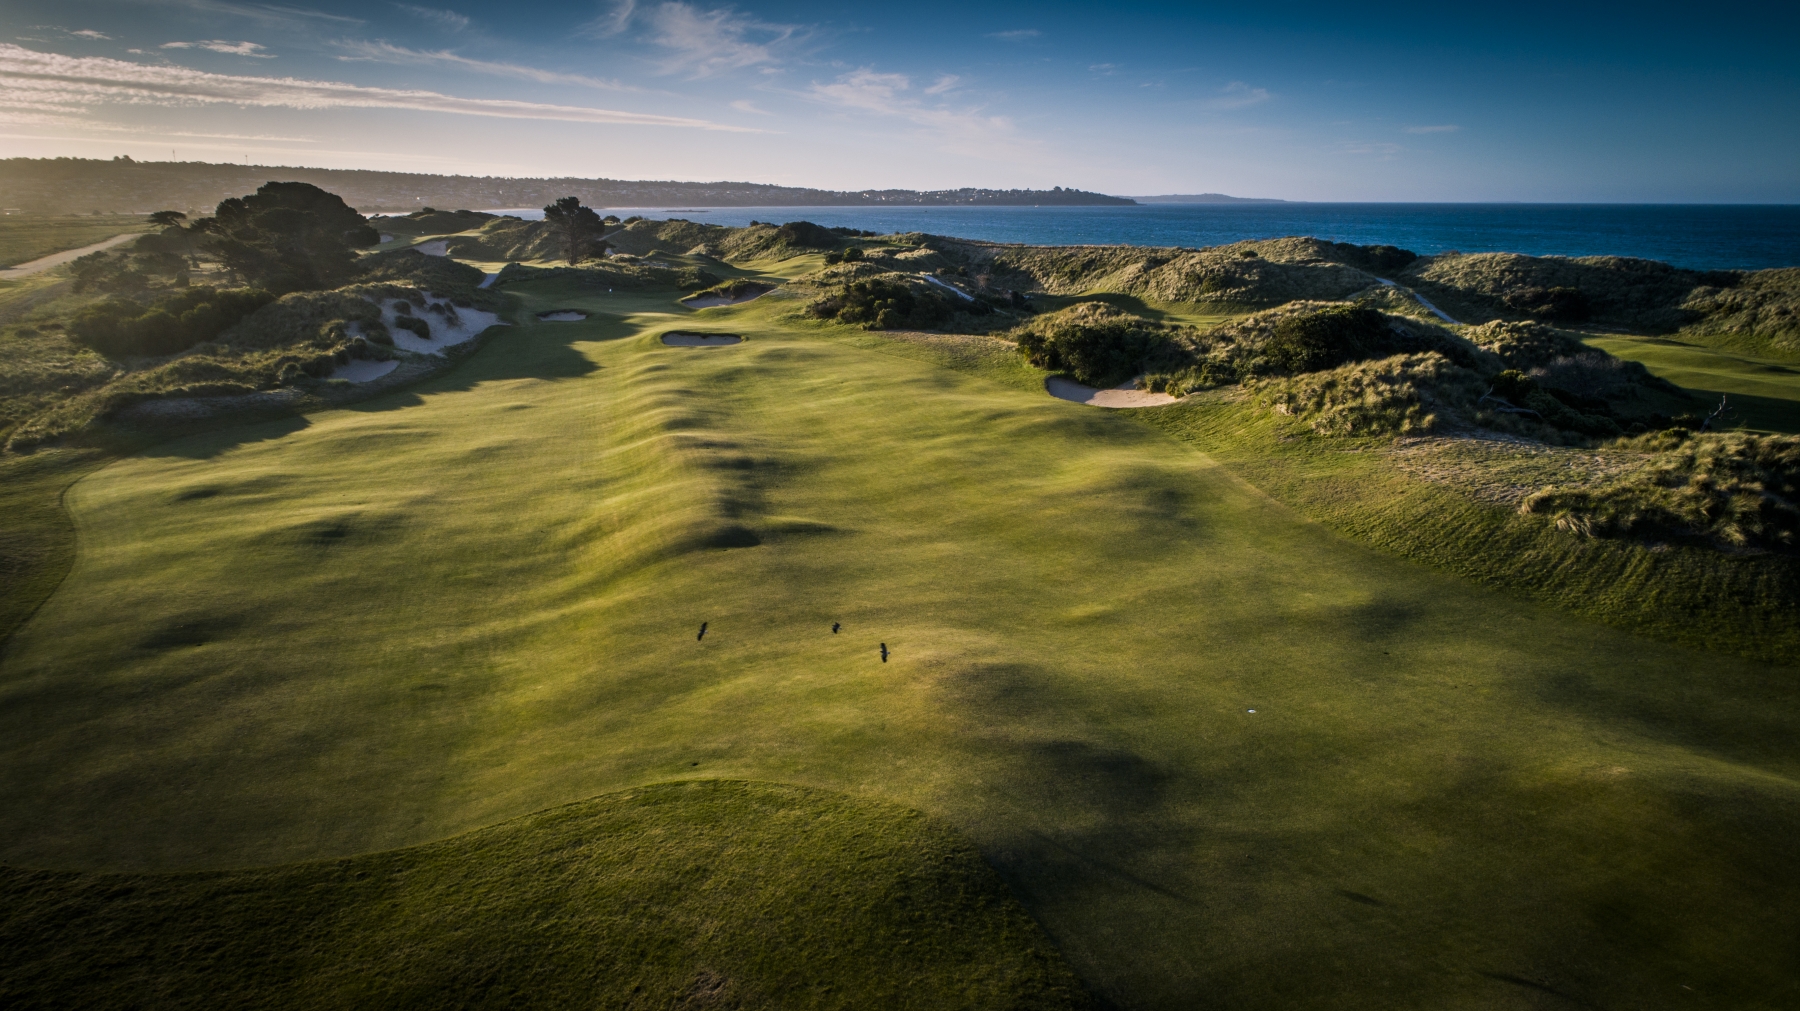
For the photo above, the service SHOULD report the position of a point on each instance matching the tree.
(578, 229)
(288, 237)
(167, 219)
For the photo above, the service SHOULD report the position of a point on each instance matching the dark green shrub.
(1328, 338)
(881, 304)
(807, 234)
(853, 254)
(1558, 303)
(415, 324)
(1097, 345)
(171, 324)
(1514, 385)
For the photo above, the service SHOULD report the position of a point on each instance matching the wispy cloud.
(699, 42)
(265, 13)
(89, 33)
(1016, 35)
(384, 52)
(889, 95)
(745, 105)
(1379, 149)
(943, 84)
(50, 87)
(1446, 128)
(223, 46)
(1238, 95)
(449, 20)
(1103, 69)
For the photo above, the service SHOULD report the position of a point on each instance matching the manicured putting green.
(456, 605)
(685, 895)
(1763, 394)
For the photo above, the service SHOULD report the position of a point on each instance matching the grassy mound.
(685, 895)
(1733, 490)
(618, 274)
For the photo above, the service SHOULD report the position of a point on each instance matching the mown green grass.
(394, 623)
(23, 239)
(1764, 393)
(692, 895)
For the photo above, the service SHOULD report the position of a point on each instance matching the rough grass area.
(613, 274)
(37, 543)
(478, 597)
(1734, 490)
(23, 239)
(696, 895)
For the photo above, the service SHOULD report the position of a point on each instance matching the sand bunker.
(561, 316)
(361, 370)
(385, 237)
(436, 247)
(449, 324)
(488, 281)
(749, 291)
(689, 339)
(1122, 396)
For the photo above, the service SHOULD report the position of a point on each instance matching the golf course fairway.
(1226, 757)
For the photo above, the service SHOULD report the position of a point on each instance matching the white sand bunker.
(690, 339)
(1123, 396)
(562, 316)
(744, 293)
(447, 324)
(436, 247)
(361, 370)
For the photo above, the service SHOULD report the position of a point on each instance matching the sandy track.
(44, 263)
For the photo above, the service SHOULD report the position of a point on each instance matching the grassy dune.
(685, 895)
(394, 623)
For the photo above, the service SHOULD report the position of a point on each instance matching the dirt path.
(44, 263)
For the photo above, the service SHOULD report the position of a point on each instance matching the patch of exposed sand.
(690, 339)
(385, 237)
(753, 291)
(488, 281)
(436, 247)
(361, 370)
(449, 325)
(1122, 396)
(562, 316)
(953, 289)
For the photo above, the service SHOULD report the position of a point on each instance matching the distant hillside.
(1205, 198)
(82, 185)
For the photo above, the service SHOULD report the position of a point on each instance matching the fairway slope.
(452, 606)
(686, 895)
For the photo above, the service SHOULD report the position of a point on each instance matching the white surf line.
(948, 287)
(1435, 311)
(43, 263)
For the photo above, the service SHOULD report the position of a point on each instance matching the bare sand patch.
(1127, 395)
(449, 324)
(561, 316)
(385, 237)
(690, 339)
(361, 370)
(706, 301)
(488, 281)
(436, 247)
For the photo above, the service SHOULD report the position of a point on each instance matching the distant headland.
(83, 185)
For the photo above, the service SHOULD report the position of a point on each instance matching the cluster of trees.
(173, 323)
(581, 231)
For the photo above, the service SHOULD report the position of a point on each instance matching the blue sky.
(1551, 102)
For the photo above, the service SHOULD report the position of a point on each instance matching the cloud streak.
(48, 87)
(1446, 128)
(450, 20)
(889, 95)
(1238, 95)
(384, 52)
(223, 46)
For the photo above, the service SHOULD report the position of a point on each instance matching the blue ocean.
(1700, 237)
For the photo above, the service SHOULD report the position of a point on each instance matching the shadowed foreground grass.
(698, 895)
(1223, 754)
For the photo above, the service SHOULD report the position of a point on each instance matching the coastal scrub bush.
(807, 234)
(1400, 395)
(883, 303)
(1524, 345)
(288, 237)
(1732, 489)
(415, 324)
(1095, 343)
(1327, 338)
(170, 324)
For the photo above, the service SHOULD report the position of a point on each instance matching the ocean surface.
(1700, 237)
